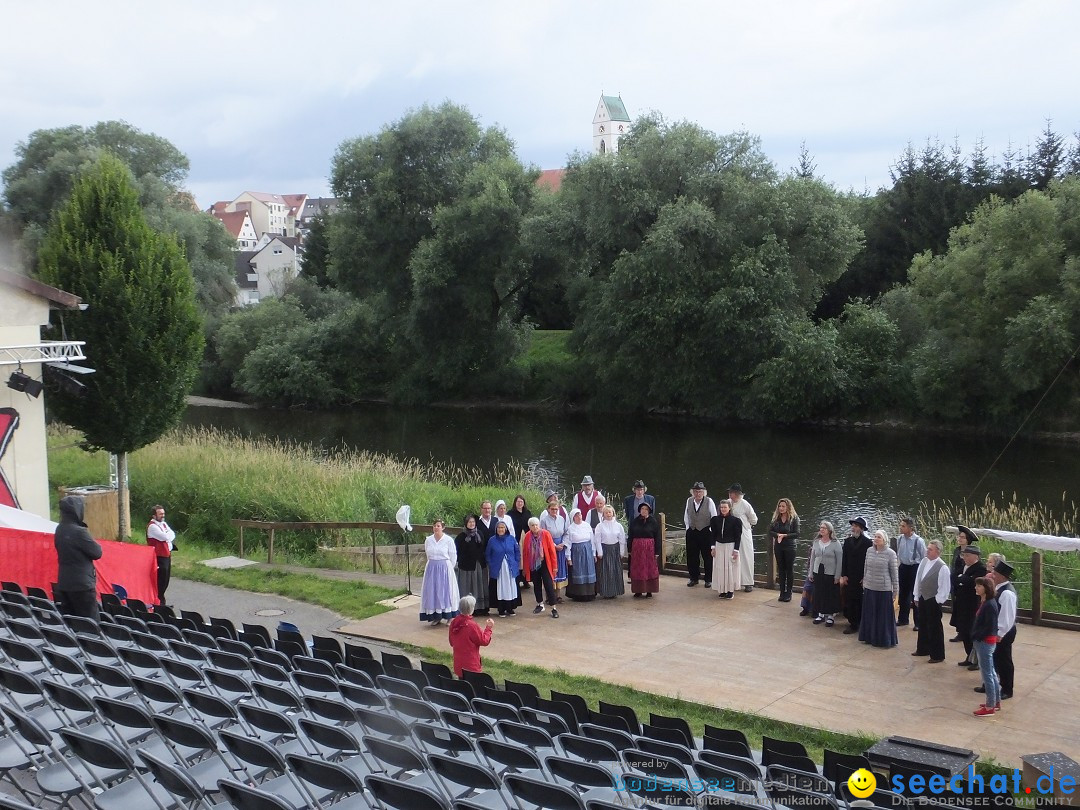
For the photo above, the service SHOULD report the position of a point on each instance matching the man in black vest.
(932, 582)
(700, 509)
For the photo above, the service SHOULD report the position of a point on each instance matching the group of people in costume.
(575, 554)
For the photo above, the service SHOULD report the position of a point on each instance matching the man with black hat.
(1006, 597)
(741, 508)
(700, 509)
(931, 590)
(965, 602)
(631, 503)
(851, 573)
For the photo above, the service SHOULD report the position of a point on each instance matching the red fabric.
(466, 638)
(29, 558)
(9, 420)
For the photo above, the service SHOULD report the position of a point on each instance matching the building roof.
(265, 197)
(232, 220)
(243, 268)
(551, 179)
(295, 202)
(616, 110)
(41, 290)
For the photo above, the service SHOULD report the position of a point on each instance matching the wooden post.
(241, 542)
(770, 563)
(270, 548)
(374, 559)
(1036, 587)
(663, 542)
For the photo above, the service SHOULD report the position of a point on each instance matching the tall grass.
(207, 477)
(1061, 569)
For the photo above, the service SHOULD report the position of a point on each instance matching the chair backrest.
(577, 703)
(560, 708)
(337, 711)
(501, 696)
(536, 793)
(309, 683)
(495, 711)
(232, 645)
(362, 695)
(743, 765)
(271, 673)
(454, 685)
(478, 680)
(619, 739)
(274, 723)
(515, 757)
(666, 734)
(200, 639)
(289, 648)
(433, 670)
(578, 773)
(98, 752)
(207, 704)
(253, 751)
(625, 712)
(770, 745)
(397, 757)
(658, 721)
(446, 700)
(414, 709)
(271, 656)
(528, 693)
(443, 740)
(225, 624)
(315, 666)
(260, 631)
(327, 643)
(780, 793)
(391, 659)
(463, 772)
(397, 795)
(193, 615)
(590, 750)
(723, 779)
(609, 721)
(354, 676)
(551, 723)
(379, 722)
(522, 734)
(173, 779)
(791, 761)
(810, 781)
(356, 651)
(279, 696)
(396, 686)
(732, 748)
(734, 734)
(676, 751)
(14, 587)
(330, 736)
(326, 775)
(472, 724)
(245, 797)
(659, 792)
(194, 736)
(837, 767)
(416, 677)
(654, 765)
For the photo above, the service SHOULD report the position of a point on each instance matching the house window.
(277, 251)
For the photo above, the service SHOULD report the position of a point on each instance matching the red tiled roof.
(232, 220)
(294, 201)
(551, 179)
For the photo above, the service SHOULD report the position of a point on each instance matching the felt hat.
(735, 488)
(644, 505)
(1004, 569)
(860, 522)
(971, 548)
(698, 485)
(638, 483)
(968, 533)
(587, 480)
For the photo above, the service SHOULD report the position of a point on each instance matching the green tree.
(141, 328)
(317, 256)
(390, 185)
(1046, 161)
(693, 263)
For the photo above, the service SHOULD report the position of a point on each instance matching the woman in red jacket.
(539, 564)
(466, 637)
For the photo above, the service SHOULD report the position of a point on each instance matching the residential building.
(239, 226)
(277, 214)
(265, 271)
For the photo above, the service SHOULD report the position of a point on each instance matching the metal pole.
(1036, 587)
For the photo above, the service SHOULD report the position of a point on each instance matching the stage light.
(18, 381)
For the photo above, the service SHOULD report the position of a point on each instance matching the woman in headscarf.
(504, 563)
(726, 531)
(580, 558)
(439, 595)
(556, 522)
(520, 514)
(881, 587)
(472, 576)
(645, 546)
(609, 548)
(501, 514)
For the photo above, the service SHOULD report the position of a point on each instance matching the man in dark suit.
(631, 503)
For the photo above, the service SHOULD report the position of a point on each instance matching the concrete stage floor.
(757, 655)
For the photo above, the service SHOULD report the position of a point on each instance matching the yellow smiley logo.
(862, 783)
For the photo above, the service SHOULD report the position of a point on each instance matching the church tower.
(609, 124)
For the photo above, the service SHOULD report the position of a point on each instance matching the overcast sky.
(259, 95)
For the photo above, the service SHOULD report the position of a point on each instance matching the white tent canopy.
(11, 518)
(1046, 542)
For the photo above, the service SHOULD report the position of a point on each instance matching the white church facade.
(610, 123)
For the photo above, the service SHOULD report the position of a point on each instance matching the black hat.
(735, 488)
(968, 533)
(860, 522)
(1003, 568)
(698, 485)
(971, 548)
(548, 494)
(644, 505)
(638, 483)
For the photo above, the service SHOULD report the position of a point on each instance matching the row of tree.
(694, 276)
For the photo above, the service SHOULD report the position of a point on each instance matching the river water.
(829, 474)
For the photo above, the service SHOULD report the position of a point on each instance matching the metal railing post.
(663, 541)
(770, 563)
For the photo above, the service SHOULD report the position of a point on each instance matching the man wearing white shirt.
(700, 509)
(1006, 597)
(163, 540)
(932, 586)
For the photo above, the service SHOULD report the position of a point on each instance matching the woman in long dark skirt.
(645, 545)
(609, 546)
(579, 556)
(472, 577)
(826, 560)
(504, 563)
(881, 586)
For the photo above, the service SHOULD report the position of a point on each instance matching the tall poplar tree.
(141, 327)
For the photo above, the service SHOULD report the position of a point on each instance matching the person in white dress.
(439, 595)
(741, 508)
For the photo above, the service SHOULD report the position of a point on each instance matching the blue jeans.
(985, 653)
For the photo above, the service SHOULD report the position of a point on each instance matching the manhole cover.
(269, 612)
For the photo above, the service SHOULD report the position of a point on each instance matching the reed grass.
(1061, 569)
(207, 477)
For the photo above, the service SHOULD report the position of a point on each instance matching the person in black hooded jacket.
(76, 550)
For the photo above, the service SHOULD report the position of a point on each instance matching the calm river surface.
(831, 475)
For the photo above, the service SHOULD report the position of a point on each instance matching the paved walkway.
(756, 655)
